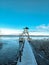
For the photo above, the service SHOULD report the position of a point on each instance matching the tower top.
(26, 28)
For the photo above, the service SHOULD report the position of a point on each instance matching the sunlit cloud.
(43, 27)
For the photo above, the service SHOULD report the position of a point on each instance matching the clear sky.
(20, 13)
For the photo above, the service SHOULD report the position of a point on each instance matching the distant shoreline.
(24, 35)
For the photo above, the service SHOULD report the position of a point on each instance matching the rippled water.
(8, 50)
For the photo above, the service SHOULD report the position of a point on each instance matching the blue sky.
(17, 14)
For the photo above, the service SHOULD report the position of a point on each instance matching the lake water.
(8, 50)
(14, 38)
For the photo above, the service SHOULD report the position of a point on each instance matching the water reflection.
(9, 48)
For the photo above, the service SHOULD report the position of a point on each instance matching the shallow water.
(9, 50)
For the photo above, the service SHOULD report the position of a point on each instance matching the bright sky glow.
(7, 31)
(17, 32)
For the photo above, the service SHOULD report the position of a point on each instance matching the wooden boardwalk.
(28, 57)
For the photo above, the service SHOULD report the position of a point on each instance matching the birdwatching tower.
(25, 32)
